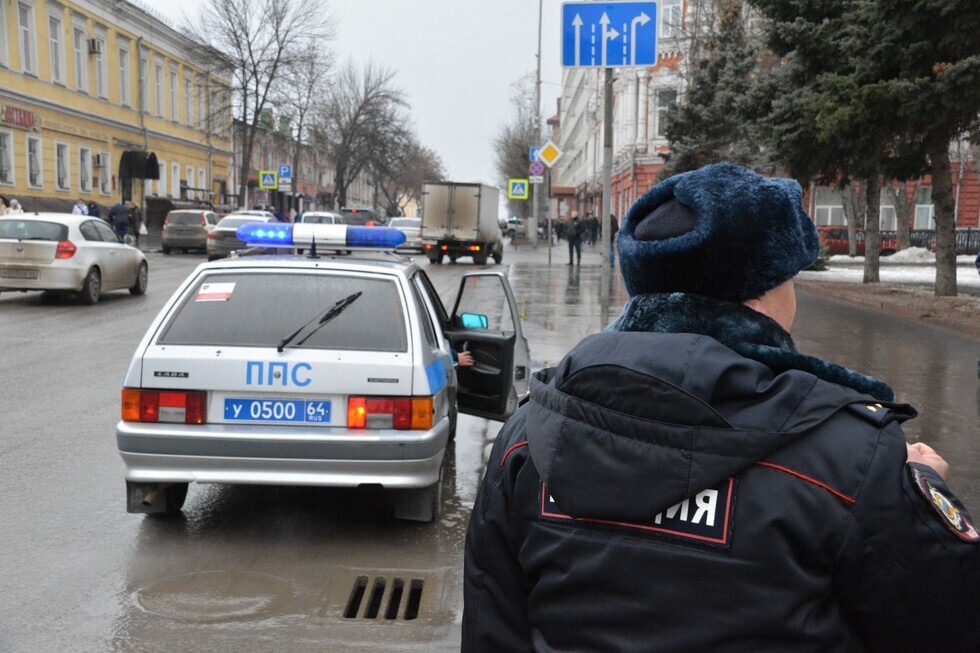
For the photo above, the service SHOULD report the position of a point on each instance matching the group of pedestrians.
(576, 230)
(10, 206)
(686, 480)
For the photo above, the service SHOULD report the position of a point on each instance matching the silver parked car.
(412, 228)
(223, 239)
(75, 253)
(321, 217)
(187, 229)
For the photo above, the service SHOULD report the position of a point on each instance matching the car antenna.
(312, 253)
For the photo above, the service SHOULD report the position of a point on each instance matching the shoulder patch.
(951, 512)
(880, 413)
(704, 519)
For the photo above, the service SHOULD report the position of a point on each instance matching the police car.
(332, 371)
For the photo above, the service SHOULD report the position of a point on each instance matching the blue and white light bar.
(327, 236)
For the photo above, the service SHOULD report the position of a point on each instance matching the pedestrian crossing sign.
(517, 189)
(268, 179)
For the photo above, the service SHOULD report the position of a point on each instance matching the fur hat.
(721, 231)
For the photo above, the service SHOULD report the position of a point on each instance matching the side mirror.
(129, 240)
(473, 321)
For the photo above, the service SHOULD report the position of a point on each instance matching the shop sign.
(20, 117)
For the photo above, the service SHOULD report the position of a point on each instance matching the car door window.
(90, 232)
(426, 318)
(108, 235)
(430, 292)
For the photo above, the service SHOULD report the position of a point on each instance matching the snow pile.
(910, 256)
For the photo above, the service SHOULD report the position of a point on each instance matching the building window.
(101, 70)
(888, 220)
(61, 166)
(665, 99)
(200, 103)
(670, 18)
(174, 111)
(175, 180)
(105, 180)
(202, 183)
(85, 169)
(158, 88)
(35, 177)
(6, 158)
(162, 181)
(25, 21)
(188, 117)
(57, 50)
(124, 76)
(223, 108)
(144, 84)
(81, 64)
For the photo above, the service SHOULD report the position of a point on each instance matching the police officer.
(688, 481)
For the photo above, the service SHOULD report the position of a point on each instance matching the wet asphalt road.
(259, 568)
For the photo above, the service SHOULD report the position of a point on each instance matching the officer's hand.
(464, 358)
(923, 453)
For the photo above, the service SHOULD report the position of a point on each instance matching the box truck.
(459, 220)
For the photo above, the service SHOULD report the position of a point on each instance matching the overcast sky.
(456, 59)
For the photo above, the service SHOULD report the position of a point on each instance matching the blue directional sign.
(285, 172)
(533, 154)
(608, 34)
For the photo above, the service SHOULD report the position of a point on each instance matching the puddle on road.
(216, 596)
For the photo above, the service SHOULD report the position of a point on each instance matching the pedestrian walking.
(613, 230)
(591, 226)
(687, 480)
(4, 205)
(135, 218)
(93, 210)
(573, 233)
(119, 217)
(80, 208)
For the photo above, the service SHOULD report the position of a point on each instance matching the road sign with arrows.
(608, 34)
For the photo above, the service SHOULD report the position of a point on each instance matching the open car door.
(485, 322)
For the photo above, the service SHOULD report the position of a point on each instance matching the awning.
(137, 164)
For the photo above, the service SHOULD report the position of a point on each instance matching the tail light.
(474, 248)
(212, 235)
(400, 413)
(66, 249)
(163, 406)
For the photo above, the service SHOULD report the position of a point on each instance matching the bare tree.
(305, 85)
(255, 41)
(512, 143)
(904, 209)
(362, 123)
(415, 165)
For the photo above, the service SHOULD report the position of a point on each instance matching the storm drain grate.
(390, 598)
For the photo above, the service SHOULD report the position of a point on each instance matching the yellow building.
(100, 100)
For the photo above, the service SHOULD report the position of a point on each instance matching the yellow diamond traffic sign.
(549, 154)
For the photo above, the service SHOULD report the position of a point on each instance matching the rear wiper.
(327, 315)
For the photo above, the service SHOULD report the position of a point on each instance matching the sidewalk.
(907, 288)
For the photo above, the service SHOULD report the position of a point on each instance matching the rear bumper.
(196, 242)
(49, 278)
(282, 456)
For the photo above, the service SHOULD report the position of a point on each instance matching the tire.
(422, 504)
(142, 280)
(887, 252)
(498, 256)
(480, 260)
(92, 288)
(166, 250)
(453, 417)
(435, 260)
(511, 234)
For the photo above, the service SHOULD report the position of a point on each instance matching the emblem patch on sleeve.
(704, 519)
(951, 512)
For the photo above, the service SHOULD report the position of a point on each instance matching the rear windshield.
(184, 218)
(318, 219)
(357, 217)
(260, 309)
(406, 223)
(33, 230)
(229, 223)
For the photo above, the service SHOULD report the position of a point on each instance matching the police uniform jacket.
(663, 491)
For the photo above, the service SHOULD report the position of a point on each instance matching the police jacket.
(662, 491)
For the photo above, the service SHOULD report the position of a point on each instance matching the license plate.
(18, 274)
(277, 410)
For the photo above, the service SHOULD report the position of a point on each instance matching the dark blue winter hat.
(721, 231)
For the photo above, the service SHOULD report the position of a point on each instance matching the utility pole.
(607, 144)
(537, 188)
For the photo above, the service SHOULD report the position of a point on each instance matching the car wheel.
(498, 256)
(166, 250)
(92, 288)
(510, 234)
(435, 260)
(422, 504)
(887, 252)
(142, 279)
(480, 260)
(453, 417)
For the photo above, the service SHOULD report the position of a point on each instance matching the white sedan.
(75, 253)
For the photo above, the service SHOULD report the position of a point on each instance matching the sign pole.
(607, 146)
(551, 216)
(537, 132)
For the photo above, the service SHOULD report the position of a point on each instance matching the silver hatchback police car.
(332, 371)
